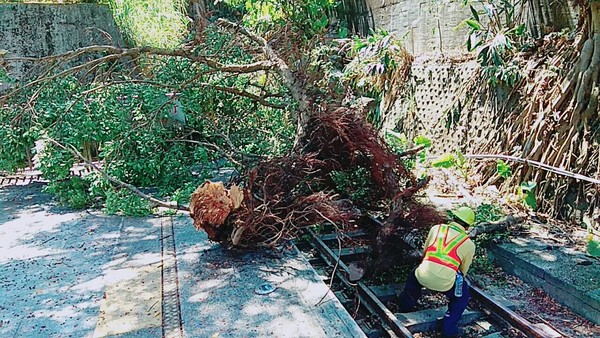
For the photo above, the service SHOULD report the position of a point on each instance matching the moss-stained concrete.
(566, 275)
(37, 30)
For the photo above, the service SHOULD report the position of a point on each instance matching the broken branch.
(536, 164)
(118, 53)
(170, 205)
(412, 151)
(290, 81)
(488, 227)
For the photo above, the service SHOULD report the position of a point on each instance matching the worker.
(446, 259)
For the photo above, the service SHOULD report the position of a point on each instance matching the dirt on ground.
(536, 305)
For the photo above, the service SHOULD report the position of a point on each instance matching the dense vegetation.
(233, 108)
(166, 116)
(121, 114)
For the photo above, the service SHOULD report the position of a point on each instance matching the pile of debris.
(281, 196)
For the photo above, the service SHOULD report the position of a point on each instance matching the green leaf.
(520, 30)
(474, 12)
(483, 56)
(473, 24)
(460, 159)
(422, 140)
(444, 161)
(593, 247)
(343, 32)
(359, 44)
(528, 186)
(530, 200)
(474, 41)
(503, 169)
(322, 23)
(422, 156)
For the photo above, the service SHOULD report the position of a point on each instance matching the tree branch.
(412, 151)
(488, 227)
(70, 54)
(536, 164)
(170, 205)
(118, 53)
(123, 52)
(225, 89)
(290, 81)
(238, 92)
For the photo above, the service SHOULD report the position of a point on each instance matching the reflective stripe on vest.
(443, 252)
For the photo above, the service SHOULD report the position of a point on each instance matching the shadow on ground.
(217, 289)
(57, 266)
(66, 273)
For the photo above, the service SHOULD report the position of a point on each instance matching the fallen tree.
(287, 194)
(275, 196)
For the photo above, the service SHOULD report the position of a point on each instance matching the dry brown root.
(277, 203)
(286, 194)
(401, 234)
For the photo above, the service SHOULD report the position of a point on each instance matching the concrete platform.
(568, 276)
(219, 299)
(66, 273)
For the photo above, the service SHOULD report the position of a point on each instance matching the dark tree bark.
(546, 16)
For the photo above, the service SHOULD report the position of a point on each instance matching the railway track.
(372, 306)
(20, 178)
(27, 176)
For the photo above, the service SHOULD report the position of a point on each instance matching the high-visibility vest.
(443, 251)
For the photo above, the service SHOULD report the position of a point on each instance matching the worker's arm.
(466, 257)
(430, 239)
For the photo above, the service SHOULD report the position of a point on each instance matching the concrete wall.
(429, 25)
(37, 30)
(426, 25)
(442, 70)
(438, 110)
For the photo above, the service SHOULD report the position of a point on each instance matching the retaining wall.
(426, 25)
(565, 274)
(38, 30)
(440, 106)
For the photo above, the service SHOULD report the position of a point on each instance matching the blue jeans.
(456, 305)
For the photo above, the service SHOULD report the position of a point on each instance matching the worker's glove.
(473, 232)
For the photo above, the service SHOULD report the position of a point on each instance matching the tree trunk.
(593, 106)
(589, 62)
(296, 87)
(546, 16)
(595, 32)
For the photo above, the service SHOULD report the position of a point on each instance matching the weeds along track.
(373, 306)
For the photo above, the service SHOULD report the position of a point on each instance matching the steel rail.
(508, 315)
(498, 309)
(367, 297)
(374, 305)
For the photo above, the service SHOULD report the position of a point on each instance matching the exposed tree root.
(284, 195)
(402, 233)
